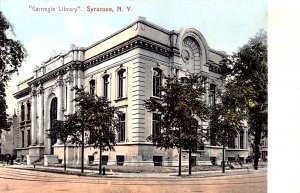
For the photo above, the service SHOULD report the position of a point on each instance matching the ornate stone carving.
(60, 81)
(33, 91)
(41, 89)
(190, 50)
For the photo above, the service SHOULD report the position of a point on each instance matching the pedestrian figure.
(7, 159)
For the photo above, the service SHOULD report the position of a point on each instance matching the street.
(17, 181)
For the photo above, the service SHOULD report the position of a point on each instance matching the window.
(53, 116)
(242, 140)
(120, 160)
(104, 159)
(156, 118)
(194, 128)
(91, 159)
(212, 95)
(157, 82)
(157, 160)
(105, 86)
(22, 138)
(121, 131)
(231, 142)
(28, 138)
(213, 135)
(121, 83)
(92, 87)
(28, 110)
(22, 112)
(66, 97)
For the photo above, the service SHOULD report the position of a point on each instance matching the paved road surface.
(17, 181)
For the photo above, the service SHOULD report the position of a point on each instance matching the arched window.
(22, 112)
(157, 82)
(121, 83)
(106, 86)
(92, 87)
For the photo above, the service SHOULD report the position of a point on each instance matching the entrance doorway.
(53, 117)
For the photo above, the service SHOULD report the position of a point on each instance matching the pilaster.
(70, 95)
(138, 108)
(41, 119)
(34, 114)
(60, 98)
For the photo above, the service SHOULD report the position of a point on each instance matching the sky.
(226, 25)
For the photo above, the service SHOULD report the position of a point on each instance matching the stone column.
(80, 76)
(41, 119)
(75, 81)
(33, 115)
(60, 102)
(70, 93)
(60, 99)
(206, 94)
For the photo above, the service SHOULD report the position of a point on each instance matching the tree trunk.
(223, 159)
(65, 164)
(82, 149)
(179, 167)
(190, 161)
(256, 148)
(100, 161)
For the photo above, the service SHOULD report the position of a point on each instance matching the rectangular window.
(105, 86)
(157, 160)
(212, 95)
(66, 97)
(22, 138)
(121, 131)
(92, 87)
(242, 140)
(213, 136)
(157, 82)
(120, 160)
(231, 142)
(28, 110)
(22, 112)
(121, 83)
(104, 159)
(156, 119)
(28, 138)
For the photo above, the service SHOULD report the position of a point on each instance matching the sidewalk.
(111, 174)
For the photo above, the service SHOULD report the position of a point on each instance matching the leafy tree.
(226, 120)
(179, 104)
(96, 122)
(85, 103)
(104, 125)
(12, 54)
(65, 130)
(247, 72)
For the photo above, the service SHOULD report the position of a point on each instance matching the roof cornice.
(22, 93)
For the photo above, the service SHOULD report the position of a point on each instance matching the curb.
(93, 173)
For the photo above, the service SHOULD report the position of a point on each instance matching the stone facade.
(122, 68)
(8, 140)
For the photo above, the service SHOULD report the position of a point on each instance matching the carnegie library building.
(127, 67)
